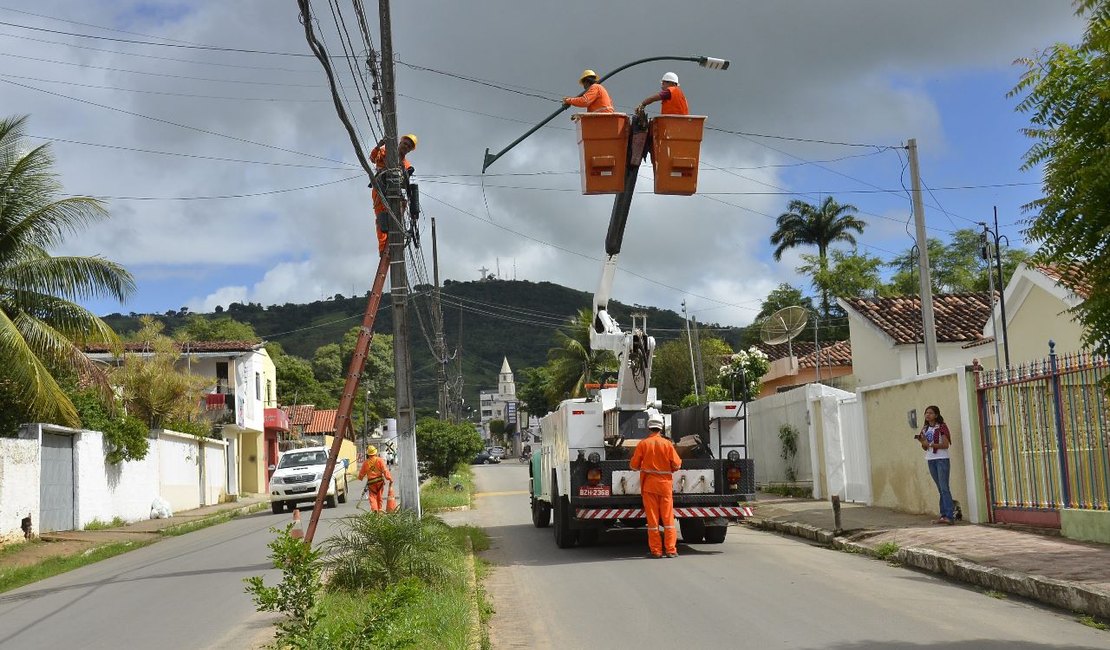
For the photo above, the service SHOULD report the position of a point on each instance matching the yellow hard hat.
(586, 74)
(411, 136)
(371, 451)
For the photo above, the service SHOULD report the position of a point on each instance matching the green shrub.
(377, 549)
(295, 596)
(444, 445)
(886, 550)
(127, 438)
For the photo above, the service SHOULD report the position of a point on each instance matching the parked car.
(496, 451)
(485, 458)
(297, 477)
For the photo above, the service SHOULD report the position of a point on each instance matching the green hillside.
(484, 321)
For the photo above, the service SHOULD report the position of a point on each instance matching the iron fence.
(1046, 433)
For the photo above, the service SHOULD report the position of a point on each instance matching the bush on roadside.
(295, 596)
(444, 445)
(380, 549)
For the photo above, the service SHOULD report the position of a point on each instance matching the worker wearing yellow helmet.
(405, 146)
(376, 473)
(595, 99)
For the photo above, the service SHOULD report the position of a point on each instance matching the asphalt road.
(757, 590)
(183, 592)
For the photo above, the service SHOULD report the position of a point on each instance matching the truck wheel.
(276, 507)
(541, 514)
(564, 536)
(343, 494)
(588, 536)
(715, 534)
(693, 530)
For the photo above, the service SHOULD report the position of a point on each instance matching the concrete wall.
(19, 482)
(105, 490)
(215, 470)
(873, 360)
(899, 474)
(1041, 317)
(949, 355)
(349, 451)
(252, 462)
(766, 415)
(1086, 525)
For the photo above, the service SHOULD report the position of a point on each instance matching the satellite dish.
(783, 325)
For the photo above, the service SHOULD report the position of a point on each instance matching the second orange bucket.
(675, 151)
(603, 146)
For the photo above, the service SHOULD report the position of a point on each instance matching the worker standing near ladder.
(656, 460)
(674, 100)
(405, 145)
(595, 99)
(376, 473)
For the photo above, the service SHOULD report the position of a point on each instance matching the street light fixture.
(987, 239)
(708, 62)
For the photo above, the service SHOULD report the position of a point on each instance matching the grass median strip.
(218, 518)
(25, 575)
(455, 492)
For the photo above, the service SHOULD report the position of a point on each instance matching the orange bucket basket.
(675, 151)
(603, 144)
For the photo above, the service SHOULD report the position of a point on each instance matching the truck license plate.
(593, 491)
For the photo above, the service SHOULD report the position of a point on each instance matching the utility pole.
(398, 279)
(697, 355)
(927, 321)
(441, 344)
(690, 341)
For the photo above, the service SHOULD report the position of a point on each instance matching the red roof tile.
(1057, 275)
(838, 353)
(959, 317)
(299, 415)
(799, 347)
(322, 422)
(192, 346)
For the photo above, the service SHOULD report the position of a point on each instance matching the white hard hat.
(671, 77)
(655, 422)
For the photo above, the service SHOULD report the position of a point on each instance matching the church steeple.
(506, 385)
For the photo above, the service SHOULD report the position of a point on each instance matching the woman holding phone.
(935, 439)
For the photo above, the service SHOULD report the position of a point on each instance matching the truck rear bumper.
(701, 512)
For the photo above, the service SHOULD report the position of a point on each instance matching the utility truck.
(581, 480)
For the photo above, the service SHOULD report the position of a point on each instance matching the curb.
(1050, 591)
(229, 513)
(474, 639)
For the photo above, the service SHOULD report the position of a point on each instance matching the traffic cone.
(297, 532)
(391, 502)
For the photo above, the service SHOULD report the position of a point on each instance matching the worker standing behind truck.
(405, 145)
(595, 99)
(656, 459)
(674, 100)
(376, 473)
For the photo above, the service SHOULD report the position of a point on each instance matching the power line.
(880, 147)
(220, 196)
(165, 92)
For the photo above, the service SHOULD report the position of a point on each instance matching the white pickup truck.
(297, 477)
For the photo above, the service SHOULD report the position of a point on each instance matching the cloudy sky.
(224, 123)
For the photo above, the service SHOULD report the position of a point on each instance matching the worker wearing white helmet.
(674, 100)
(656, 459)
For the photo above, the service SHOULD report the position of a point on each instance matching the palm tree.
(821, 226)
(571, 363)
(42, 328)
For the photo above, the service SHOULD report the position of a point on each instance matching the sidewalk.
(1042, 567)
(156, 527)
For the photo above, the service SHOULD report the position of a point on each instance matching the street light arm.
(703, 61)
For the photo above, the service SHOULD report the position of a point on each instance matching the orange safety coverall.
(656, 459)
(594, 100)
(674, 102)
(381, 215)
(376, 473)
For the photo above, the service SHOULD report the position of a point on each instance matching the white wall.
(215, 471)
(19, 482)
(104, 490)
(766, 415)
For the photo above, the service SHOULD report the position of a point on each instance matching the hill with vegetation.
(484, 322)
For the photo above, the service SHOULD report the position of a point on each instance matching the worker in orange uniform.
(405, 145)
(656, 459)
(376, 473)
(674, 100)
(595, 99)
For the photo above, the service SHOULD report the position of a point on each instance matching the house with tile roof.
(802, 363)
(242, 390)
(886, 333)
(1038, 309)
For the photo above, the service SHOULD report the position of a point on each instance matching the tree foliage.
(444, 445)
(127, 437)
(954, 267)
(1064, 92)
(670, 367)
(571, 363)
(42, 326)
(152, 388)
(532, 391)
(224, 328)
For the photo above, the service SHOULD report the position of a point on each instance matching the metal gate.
(56, 496)
(1046, 438)
(853, 440)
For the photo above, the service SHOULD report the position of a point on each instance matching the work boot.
(653, 556)
(672, 554)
